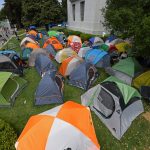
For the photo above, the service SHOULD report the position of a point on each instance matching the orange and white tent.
(63, 54)
(69, 64)
(32, 45)
(68, 126)
(74, 38)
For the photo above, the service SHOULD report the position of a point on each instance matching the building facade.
(86, 15)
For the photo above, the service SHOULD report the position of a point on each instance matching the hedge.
(8, 136)
(84, 36)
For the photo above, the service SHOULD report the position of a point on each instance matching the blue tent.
(49, 90)
(43, 64)
(51, 50)
(32, 27)
(83, 76)
(98, 57)
(111, 38)
(8, 52)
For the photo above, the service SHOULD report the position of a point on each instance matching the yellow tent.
(123, 47)
(142, 80)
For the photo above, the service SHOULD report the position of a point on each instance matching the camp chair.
(145, 92)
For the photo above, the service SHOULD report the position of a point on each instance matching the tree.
(130, 19)
(64, 9)
(13, 11)
(41, 11)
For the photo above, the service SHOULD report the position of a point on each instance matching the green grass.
(136, 138)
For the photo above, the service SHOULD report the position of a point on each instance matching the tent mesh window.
(113, 88)
(6, 65)
(105, 104)
(59, 82)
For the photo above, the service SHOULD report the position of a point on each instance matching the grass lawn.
(136, 138)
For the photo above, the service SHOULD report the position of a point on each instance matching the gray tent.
(44, 64)
(83, 76)
(51, 50)
(115, 103)
(11, 64)
(34, 55)
(50, 90)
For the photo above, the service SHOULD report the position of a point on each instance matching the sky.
(1, 2)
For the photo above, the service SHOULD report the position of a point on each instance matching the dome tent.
(115, 103)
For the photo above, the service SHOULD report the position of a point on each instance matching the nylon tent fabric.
(106, 100)
(7, 52)
(83, 76)
(104, 47)
(123, 66)
(32, 45)
(123, 47)
(63, 54)
(142, 80)
(74, 38)
(54, 42)
(96, 41)
(76, 46)
(33, 33)
(72, 120)
(9, 65)
(110, 39)
(10, 86)
(82, 52)
(53, 33)
(48, 91)
(27, 39)
(50, 49)
(116, 41)
(98, 57)
(26, 52)
(127, 91)
(43, 64)
(69, 64)
(34, 55)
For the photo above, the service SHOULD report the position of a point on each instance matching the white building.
(86, 15)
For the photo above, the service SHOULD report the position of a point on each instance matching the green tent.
(10, 86)
(125, 69)
(53, 33)
(104, 47)
(115, 103)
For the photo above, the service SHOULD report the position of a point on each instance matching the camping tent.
(69, 64)
(10, 64)
(10, 86)
(53, 42)
(53, 33)
(32, 45)
(34, 55)
(74, 38)
(63, 54)
(83, 76)
(82, 52)
(49, 90)
(98, 57)
(50, 49)
(125, 69)
(8, 52)
(65, 127)
(27, 39)
(142, 80)
(26, 52)
(123, 47)
(115, 103)
(61, 38)
(95, 41)
(44, 64)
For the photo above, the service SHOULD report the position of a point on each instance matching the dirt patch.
(147, 116)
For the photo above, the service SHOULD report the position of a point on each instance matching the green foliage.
(7, 136)
(131, 19)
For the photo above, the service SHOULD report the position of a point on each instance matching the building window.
(82, 5)
(73, 11)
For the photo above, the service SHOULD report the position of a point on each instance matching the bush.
(7, 136)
